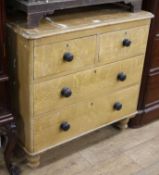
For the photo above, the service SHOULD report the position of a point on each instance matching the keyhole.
(92, 104)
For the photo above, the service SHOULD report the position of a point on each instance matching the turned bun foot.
(123, 124)
(33, 161)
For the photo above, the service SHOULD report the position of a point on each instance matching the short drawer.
(73, 88)
(122, 44)
(61, 125)
(64, 56)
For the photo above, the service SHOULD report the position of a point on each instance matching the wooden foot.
(33, 161)
(123, 124)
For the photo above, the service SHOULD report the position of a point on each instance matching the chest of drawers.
(77, 73)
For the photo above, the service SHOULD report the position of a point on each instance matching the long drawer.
(49, 95)
(123, 44)
(87, 115)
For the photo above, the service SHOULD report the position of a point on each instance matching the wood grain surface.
(85, 116)
(48, 59)
(86, 84)
(41, 76)
(111, 44)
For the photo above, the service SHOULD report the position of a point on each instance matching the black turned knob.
(121, 76)
(117, 106)
(68, 57)
(65, 126)
(66, 92)
(126, 43)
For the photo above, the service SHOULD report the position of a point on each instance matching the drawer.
(52, 128)
(64, 56)
(122, 44)
(56, 93)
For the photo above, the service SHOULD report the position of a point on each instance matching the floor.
(108, 151)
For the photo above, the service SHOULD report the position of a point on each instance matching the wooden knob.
(65, 126)
(127, 43)
(66, 92)
(68, 57)
(121, 76)
(117, 106)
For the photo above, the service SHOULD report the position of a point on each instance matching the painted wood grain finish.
(85, 84)
(87, 115)
(48, 59)
(112, 49)
(24, 51)
(41, 74)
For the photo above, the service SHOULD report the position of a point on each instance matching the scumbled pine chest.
(76, 73)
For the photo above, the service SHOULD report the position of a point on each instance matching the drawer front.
(49, 129)
(50, 95)
(64, 56)
(123, 44)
